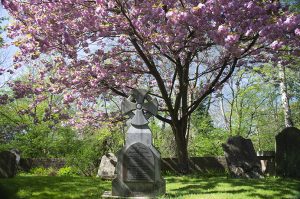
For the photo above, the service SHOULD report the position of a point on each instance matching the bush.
(87, 152)
(66, 171)
(41, 171)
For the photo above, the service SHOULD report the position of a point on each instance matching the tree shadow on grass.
(8, 192)
(46, 187)
(38, 187)
(251, 188)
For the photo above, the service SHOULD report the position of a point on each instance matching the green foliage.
(5, 147)
(208, 143)
(41, 171)
(66, 171)
(2, 29)
(11, 122)
(296, 113)
(294, 5)
(39, 138)
(201, 120)
(163, 138)
(255, 107)
(40, 141)
(95, 143)
(205, 139)
(34, 139)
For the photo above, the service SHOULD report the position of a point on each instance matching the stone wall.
(218, 164)
(198, 164)
(28, 163)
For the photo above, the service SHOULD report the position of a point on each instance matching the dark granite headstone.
(288, 153)
(241, 158)
(139, 163)
(8, 164)
(138, 169)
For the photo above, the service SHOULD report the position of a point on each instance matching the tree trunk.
(221, 105)
(179, 130)
(284, 97)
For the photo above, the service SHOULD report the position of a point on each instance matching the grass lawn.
(218, 187)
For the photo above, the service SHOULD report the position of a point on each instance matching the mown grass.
(52, 187)
(221, 187)
(214, 187)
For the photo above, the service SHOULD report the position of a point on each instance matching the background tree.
(183, 46)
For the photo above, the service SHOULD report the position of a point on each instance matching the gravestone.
(241, 158)
(139, 168)
(287, 156)
(267, 161)
(107, 167)
(17, 154)
(8, 164)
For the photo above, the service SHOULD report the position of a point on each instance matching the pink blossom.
(201, 6)
(121, 41)
(276, 45)
(222, 29)
(68, 99)
(297, 31)
(231, 39)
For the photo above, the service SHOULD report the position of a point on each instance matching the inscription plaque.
(139, 163)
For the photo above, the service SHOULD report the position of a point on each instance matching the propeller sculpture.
(138, 110)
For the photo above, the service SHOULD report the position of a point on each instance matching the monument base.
(108, 194)
(138, 189)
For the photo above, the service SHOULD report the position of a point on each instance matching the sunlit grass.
(197, 187)
(221, 187)
(48, 187)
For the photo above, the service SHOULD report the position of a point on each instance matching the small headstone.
(17, 154)
(138, 168)
(8, 164)
(288, 152)
(241, 158)
(267, 161)
(107, 167)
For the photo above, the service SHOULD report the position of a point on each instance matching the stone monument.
(139, 168)
(241, 158)
(8, 164)
(287, 156)
(267, 161)
(107, 166)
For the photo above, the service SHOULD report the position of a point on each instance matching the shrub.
(66, 171)
(87, 152)
(41, 171)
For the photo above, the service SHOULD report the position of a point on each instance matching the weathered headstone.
(17, 154)
(138, 168)
(8, 164)
(267, 161)
(107, 167)
(288, 152)
(241, 158)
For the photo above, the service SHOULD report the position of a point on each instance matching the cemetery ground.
(192, 186)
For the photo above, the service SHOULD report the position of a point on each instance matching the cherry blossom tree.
(182, 49)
